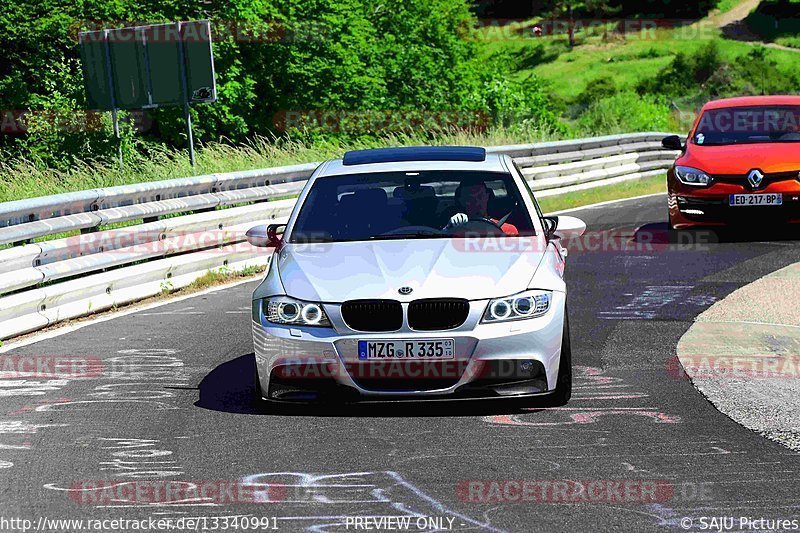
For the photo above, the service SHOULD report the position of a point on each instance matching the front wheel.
(258, 393)
(563, 391)
(673, 233)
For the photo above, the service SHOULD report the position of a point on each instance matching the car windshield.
(742, 125)
(411, 205)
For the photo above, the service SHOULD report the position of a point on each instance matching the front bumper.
(695, 207)
(511, 359)
(693, 211)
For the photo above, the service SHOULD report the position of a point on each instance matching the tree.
(560, 8)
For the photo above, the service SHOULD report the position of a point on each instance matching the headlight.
(285, 310)
(692, 176)
(528, 304)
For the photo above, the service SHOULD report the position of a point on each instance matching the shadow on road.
(230, 388)
(658, 233)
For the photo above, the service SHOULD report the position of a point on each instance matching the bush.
(350, 55)
(685, 72)
(597, 89)
(756, 73)
(706, 73)
(36, 76)
(624, 112)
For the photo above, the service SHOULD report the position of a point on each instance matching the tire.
(258, 394)
(563, 391)
(670, 224)
(673, 234)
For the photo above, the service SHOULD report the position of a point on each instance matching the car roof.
(414, 153)
(492, 163)
(745, 101)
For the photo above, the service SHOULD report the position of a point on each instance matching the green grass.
(212, 278)
(627, 60)
(626, 189)
(723, 6)
(26, 179)
(632, 62)
(791, 42)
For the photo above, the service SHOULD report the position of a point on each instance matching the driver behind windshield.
(473, 201)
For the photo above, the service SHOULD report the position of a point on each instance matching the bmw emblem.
(405, 290)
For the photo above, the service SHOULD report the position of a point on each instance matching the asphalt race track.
(168, 397)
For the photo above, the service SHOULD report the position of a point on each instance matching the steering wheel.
(485, 220)
(482, 226)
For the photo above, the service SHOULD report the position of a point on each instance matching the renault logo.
(405, 290)
(755, 177)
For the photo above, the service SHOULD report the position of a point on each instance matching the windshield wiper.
(415, 235)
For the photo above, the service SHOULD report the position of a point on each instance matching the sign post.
(146, 67)
(184, 90)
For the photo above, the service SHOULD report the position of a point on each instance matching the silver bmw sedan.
(414, 273)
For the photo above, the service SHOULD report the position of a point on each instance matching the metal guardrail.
(47, 281)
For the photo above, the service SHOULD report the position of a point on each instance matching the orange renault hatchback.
(740, 164)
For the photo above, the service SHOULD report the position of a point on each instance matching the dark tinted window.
(409, 205)
(754, 124)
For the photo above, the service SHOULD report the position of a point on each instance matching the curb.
(743, 355)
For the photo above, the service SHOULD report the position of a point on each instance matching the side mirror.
(673, 142)
(265, 236)
(568, 227)
(550, 224)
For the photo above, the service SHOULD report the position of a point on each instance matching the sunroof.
(414, 153)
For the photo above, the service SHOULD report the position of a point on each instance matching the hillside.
(610, 59)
